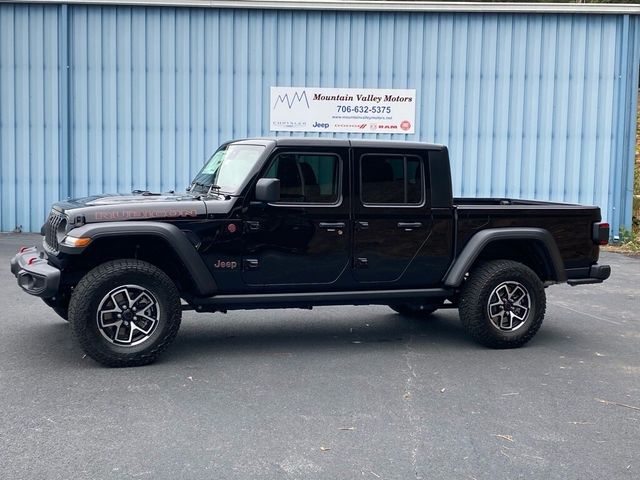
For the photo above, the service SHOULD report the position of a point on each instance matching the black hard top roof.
(339, 142)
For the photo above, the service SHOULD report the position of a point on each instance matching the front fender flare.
(204, 282)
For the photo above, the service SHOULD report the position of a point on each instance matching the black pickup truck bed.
(570, 225)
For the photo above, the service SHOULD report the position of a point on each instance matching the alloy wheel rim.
(128, 315)
(509, 306)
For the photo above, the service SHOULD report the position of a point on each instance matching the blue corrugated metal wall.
(97, 99)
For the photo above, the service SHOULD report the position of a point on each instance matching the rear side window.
(391, 179)
(306, 178)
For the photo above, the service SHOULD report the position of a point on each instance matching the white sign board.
(359, 110)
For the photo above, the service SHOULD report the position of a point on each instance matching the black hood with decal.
(142, 206)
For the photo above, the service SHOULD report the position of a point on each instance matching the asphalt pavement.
(332, 393)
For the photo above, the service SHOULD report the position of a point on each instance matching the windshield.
(227, 168)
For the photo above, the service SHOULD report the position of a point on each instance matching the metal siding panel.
(137, 158)
(35, 165)
(181, 167)
(168, 70)
(443, 85)
(8, 180)
(625, 133)
(606, 116)
(110, 104)
(588, 139)
(196, 92)
(457, 101)
(537, 106)
(532, 64)
(546, 101)
(487, 106)
(472, 104)
(124, 100)
(22, 110)
(618, 124)
(576, 107)
(212, 69)
(257, 94)
(515, 133)
(154, 101)
(429, 57)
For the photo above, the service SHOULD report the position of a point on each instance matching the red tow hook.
(31, 260)
(23, 249)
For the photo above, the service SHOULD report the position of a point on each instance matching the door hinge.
(253, 226)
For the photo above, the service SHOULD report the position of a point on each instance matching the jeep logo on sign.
(226, 264)
(320, 125)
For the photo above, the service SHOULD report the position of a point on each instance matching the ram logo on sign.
(307, 109)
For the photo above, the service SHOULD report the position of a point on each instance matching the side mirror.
(268, 190)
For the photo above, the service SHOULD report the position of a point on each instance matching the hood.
(141, 206)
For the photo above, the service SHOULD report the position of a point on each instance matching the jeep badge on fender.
(228, 264)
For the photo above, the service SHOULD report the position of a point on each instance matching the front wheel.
(502, 304)
(125, 313)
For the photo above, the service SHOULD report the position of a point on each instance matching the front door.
(392, 217)
(304, 238)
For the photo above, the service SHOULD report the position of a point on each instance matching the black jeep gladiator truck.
(296, 223)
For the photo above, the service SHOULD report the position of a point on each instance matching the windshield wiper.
(209, 186)
(144, 193)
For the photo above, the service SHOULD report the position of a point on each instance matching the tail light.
(601, 233)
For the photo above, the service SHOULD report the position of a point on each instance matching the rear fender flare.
(474, 247)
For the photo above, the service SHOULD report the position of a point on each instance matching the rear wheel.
(502, 304)
(125, 313)
(415, 310)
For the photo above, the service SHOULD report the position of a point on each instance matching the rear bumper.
(583, 276)
(34, 274)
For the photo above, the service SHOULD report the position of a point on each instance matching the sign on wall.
(361, 110)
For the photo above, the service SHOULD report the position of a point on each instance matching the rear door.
(392, 218)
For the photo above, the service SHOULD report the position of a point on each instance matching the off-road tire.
(474, 298)
(96, 285)
(414, 310)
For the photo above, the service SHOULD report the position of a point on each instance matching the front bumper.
(34, 274)
(593, 274)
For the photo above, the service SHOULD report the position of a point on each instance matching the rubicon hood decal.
(115, 208)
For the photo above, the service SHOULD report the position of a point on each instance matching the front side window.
(391, 179)
(228, 168)
(306, 178)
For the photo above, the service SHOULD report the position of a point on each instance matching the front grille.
(51, 230)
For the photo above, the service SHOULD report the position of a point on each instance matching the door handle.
(409, 225)
(332, 225)
(251, 264)
(363, 225)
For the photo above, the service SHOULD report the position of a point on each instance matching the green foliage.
(629, 240)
